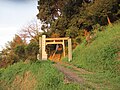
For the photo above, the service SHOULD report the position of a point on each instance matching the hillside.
(101, 54)
(97, 63)
(34, 76)
(102, 57)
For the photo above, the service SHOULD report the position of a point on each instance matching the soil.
(70, 75)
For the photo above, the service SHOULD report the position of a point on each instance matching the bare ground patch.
(27, 82)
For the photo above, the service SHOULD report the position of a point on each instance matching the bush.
(12, 58)
(20, 51)
(31, 51)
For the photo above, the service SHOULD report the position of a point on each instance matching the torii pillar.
(69, 50)
(44, 54)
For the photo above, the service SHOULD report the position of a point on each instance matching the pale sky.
(14, 14)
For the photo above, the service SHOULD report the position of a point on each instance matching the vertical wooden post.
(40, 48)
(44, 55)
(63, 48)
(69, 50)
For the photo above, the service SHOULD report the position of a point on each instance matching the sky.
(15, 14)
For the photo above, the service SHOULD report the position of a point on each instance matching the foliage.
(17, 50)
(31, 50)
(12, 53)
(20, 51)
(70, 17)
(11, 58)
(100, 10)
(16, 41)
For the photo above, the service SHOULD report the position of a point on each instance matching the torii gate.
(43, 41)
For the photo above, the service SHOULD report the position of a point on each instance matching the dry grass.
(27, 82)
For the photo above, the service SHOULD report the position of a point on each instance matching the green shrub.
(31, 51)
(20, 51)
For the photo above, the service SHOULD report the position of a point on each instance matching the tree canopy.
(71, 17)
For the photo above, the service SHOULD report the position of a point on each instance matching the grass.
(101, 57)
(101, 54)
(103, 81)
(45, 75)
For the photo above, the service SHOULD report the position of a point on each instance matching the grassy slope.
(43, 76)
(100, 56)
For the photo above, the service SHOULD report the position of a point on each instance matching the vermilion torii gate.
(43, 41)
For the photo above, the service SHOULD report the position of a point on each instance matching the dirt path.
(82, 71)
(72, 76)
(69, 74)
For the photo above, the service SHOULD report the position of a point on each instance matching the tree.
(9, 53)
(71, 17)
(50, 9)
(103, 11)
(17, 40)
(31, 31)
